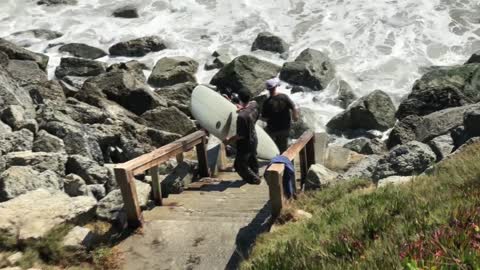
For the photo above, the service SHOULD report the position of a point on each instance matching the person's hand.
(226, 141)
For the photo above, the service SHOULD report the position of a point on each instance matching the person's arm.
(241, 127)
(265, 112)
(293, 108)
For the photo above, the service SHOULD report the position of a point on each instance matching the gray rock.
(268, 42)
(246, 72)
(14, 116)
(74, 185)
(442, 88)
(471, 121)
(15, 258)
(47, 208)
(44, 34)
(70, 66)
(218, 60)
(75, 81)
(127, 12)
(18, 180)
(98, 191)
(12, 94)
(363, 169)
(373, 111)
(366, 146)
(4, 128)
(111, 207)
(21, 140)
(88, 169)
(346, 96)
(50, 92)
(403, 131)
(170, 120)
(17, 53)
(311, 68)
(319, 176)
(3, 59)
(180, 177)
(138, 47)
(79, 238)
(178, 96)
(85, 113)
(26, 72)
(46, 142)
(56, 2)
(82, 50)
(474, 59)
(394, 180)
(405, 160)
(40, 161)
(173, 70)
(442, 146)
(132, 66)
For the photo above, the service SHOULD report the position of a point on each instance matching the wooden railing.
(124, 173)
(305, 148)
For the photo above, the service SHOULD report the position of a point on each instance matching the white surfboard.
(219, 116)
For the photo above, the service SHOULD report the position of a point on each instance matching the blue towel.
(288, 174)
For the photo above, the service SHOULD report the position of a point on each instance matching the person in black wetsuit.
(278, 110)
(246, 163)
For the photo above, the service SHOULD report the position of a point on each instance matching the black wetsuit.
(246, 163)
(276, 110)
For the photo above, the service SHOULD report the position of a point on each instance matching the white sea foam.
(374, 44)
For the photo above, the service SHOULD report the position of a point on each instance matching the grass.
(430, 223)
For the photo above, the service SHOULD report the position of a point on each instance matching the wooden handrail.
(305, 148)
(125, 172)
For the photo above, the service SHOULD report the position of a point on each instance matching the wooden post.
(126, 182)
(222, 158)
(273, 178)
(156, 186)
(310, 152)
(304, 166)
(202, 158)
(179, 157)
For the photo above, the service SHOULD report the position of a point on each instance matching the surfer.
(246, 163)
(278, 110)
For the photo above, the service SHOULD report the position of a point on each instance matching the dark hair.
(244, 95)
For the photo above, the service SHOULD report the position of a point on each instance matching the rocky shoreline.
(60, 138)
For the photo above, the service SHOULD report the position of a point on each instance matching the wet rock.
(56, 2)
(47, 208)
(82, 50)
(442, 88)
(442, 146)
(110, 208)
(138, 47)
(88, 169)
(122, 88)
(366, 146)
(219, 59)
(405, 160)
(173, 70)
(44, 34)
(74, 185)
(474, 59)
(26, 72)
(319, 176)
(128, 12)
(246, 72)
(98, 191)
(363, 169)
(373, 111)
(311, 68)
(17, 53)
(346, 96)
(18, 180)
(40, 161)
(170, 120)
(46, 142)
(70, 66)
(268, 42)
(472, 121)
(21, 140)
(79, 238)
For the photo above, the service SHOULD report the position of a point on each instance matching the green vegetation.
(431, 223)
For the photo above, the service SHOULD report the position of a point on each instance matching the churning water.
(374, 44)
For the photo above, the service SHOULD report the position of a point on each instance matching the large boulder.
(245, 72)
(169, 119)
(46, 142)
(319, 176)
(127, 12)
(17, 53)
(21, 140)
(122, 88)
(404, 160)
(268, 42)
(26, 72)
(178, 95)
(78, 239)
(173, 70)
(474, 59)
(442, 88)
(50, 92)
(178, 178)
(219, 59)
(138, 47)
(363, 169)
(34, 214)
(12, 94)
(345, 94)
(311, 68)
(40, 161)
(85, 113)
(110, 208)
(367, 146)
(442, 146)
(82, 50)
(133, 66)
(74, 185)
(71, 66)
(373, 111)
(88, 169)
(17, 118)
(18, 180)
(472, 121)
